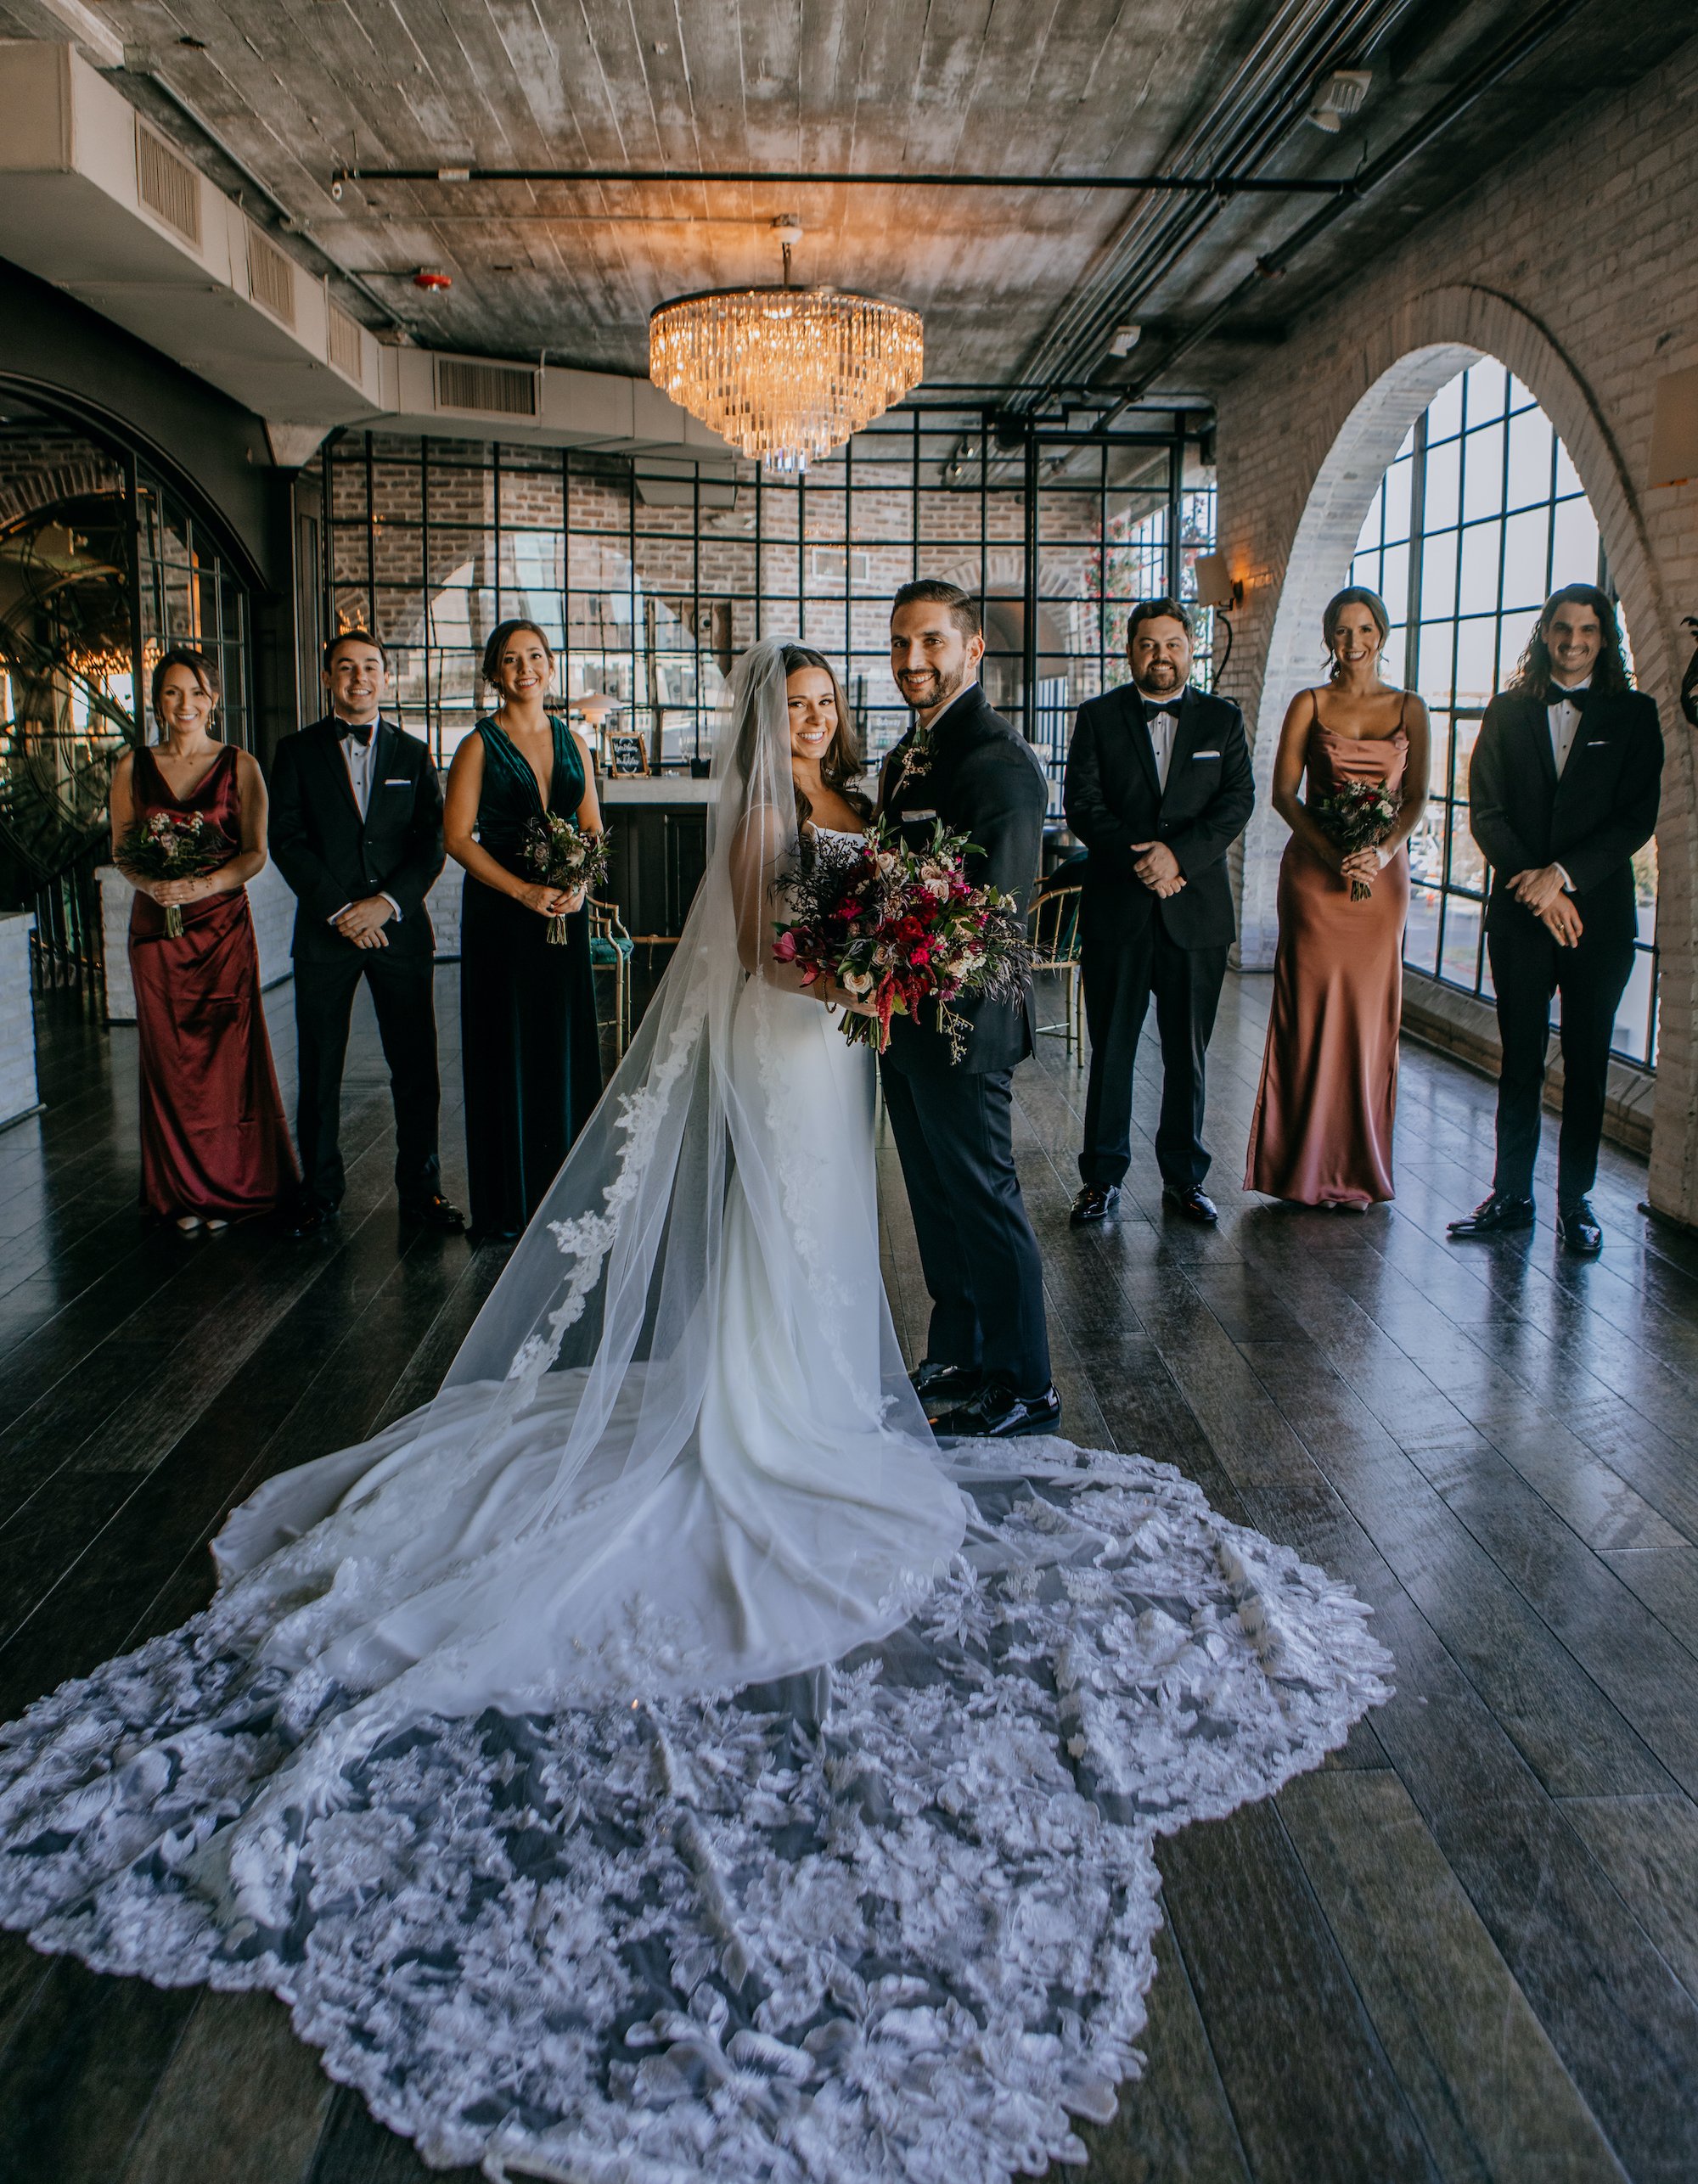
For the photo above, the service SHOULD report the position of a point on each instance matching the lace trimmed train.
(890, 1922)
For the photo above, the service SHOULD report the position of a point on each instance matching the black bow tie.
(1154, 708)
(1556, 695)
(362, 731)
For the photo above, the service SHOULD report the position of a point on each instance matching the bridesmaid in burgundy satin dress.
(215, 1145)
(1322, 1131)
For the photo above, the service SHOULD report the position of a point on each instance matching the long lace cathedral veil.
(618, 1267)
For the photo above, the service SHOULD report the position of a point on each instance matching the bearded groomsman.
(1563, 790)
(1158, 787)
(356, 831)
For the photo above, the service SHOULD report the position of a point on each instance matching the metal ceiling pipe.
(1519, 46)
(1205, 185)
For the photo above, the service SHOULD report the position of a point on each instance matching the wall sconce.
(1674, 429)
(1217, 585)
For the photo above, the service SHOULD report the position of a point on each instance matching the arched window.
(1479, 517)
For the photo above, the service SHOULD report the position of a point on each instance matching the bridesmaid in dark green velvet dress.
(529, 1047)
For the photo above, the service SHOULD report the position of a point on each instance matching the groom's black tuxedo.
(1133, 944)
(332, 854)
(952, 1122)
(1590, 821)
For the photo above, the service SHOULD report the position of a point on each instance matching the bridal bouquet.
(174, 845)
(897, 927)
(560, 854)
(1358, 814)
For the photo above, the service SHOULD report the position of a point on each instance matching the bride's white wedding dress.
(654, 1761)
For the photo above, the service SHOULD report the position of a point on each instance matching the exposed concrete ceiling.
(1012, 283)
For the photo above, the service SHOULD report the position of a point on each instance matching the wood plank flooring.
(1467, 1949)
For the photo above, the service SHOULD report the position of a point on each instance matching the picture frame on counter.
(625, 752)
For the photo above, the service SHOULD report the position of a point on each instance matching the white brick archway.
(1354, 427)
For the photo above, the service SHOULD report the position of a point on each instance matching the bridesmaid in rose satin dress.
(1322, 1130)
(215, 1145)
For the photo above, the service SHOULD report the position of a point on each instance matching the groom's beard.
(926, 691)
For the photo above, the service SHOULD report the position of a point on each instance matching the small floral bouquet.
(559, 853)
(897, 927)
(1358, 814)
(174, 845)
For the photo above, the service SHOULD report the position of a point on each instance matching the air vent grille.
(168, 185)
(271, 277)
(492, 389)
(345, 343)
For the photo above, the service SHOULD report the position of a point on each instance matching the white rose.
(857, 982)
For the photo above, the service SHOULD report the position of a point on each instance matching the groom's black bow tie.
(361, 731)
(1556, 695)
(1154, 707)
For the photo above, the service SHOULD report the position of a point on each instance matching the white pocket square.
(1206, 754)
(398, 781)
(1601, 743)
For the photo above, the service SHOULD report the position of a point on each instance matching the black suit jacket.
(331, 855)
(983, 779)
(1591, 822)
(1114, 798)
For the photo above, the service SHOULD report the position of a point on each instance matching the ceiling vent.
(345, 351)
(271, 278)
(167, 185)
(488, 390)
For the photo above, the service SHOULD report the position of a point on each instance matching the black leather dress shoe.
(997, 1413)
(1096, 1203)
(311, 1221)
(1497, 1215)
(1192, 1201)
(1577, 1227)
(942, 1388)
(434, 1212)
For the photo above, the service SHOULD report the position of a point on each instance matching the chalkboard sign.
(626, 754)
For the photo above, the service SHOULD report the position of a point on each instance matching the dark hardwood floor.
(1467, 1949)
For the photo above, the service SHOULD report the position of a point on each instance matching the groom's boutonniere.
(915, 759)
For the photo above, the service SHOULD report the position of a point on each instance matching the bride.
(655, 1758)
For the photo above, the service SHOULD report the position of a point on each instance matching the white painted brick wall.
(1575, 263)
(18, 1090)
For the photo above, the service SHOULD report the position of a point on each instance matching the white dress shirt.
(1162, 725)
(360, 760)
(1564, 725)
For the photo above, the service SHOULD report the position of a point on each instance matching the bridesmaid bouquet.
(174, 845)
(899, 927)
(559, 853)
(1358, 814)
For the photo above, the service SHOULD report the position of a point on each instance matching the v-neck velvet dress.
(214, 1140)
(528, 1043)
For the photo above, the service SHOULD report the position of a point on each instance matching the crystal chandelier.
(785, 374)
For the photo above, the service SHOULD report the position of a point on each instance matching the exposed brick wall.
(1576, 264)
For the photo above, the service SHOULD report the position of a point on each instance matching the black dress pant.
(1528, 967)
(954, 1134)
(1121, 975)
(403, 994)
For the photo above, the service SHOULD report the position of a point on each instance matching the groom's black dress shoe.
(1577, 1227)
(1096, 1203)
(1497, 1215)
(997, 1413)
(309, 1220)
(1192, 1200)
(434, 1212)
(942, 1388)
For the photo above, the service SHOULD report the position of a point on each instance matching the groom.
(987, 1366)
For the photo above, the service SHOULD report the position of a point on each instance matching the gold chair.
(1053, 925)
(609, 947)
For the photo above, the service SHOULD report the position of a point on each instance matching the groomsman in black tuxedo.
(987, 1366)
(1158, 787)
(1563, 790)
(356, 831)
